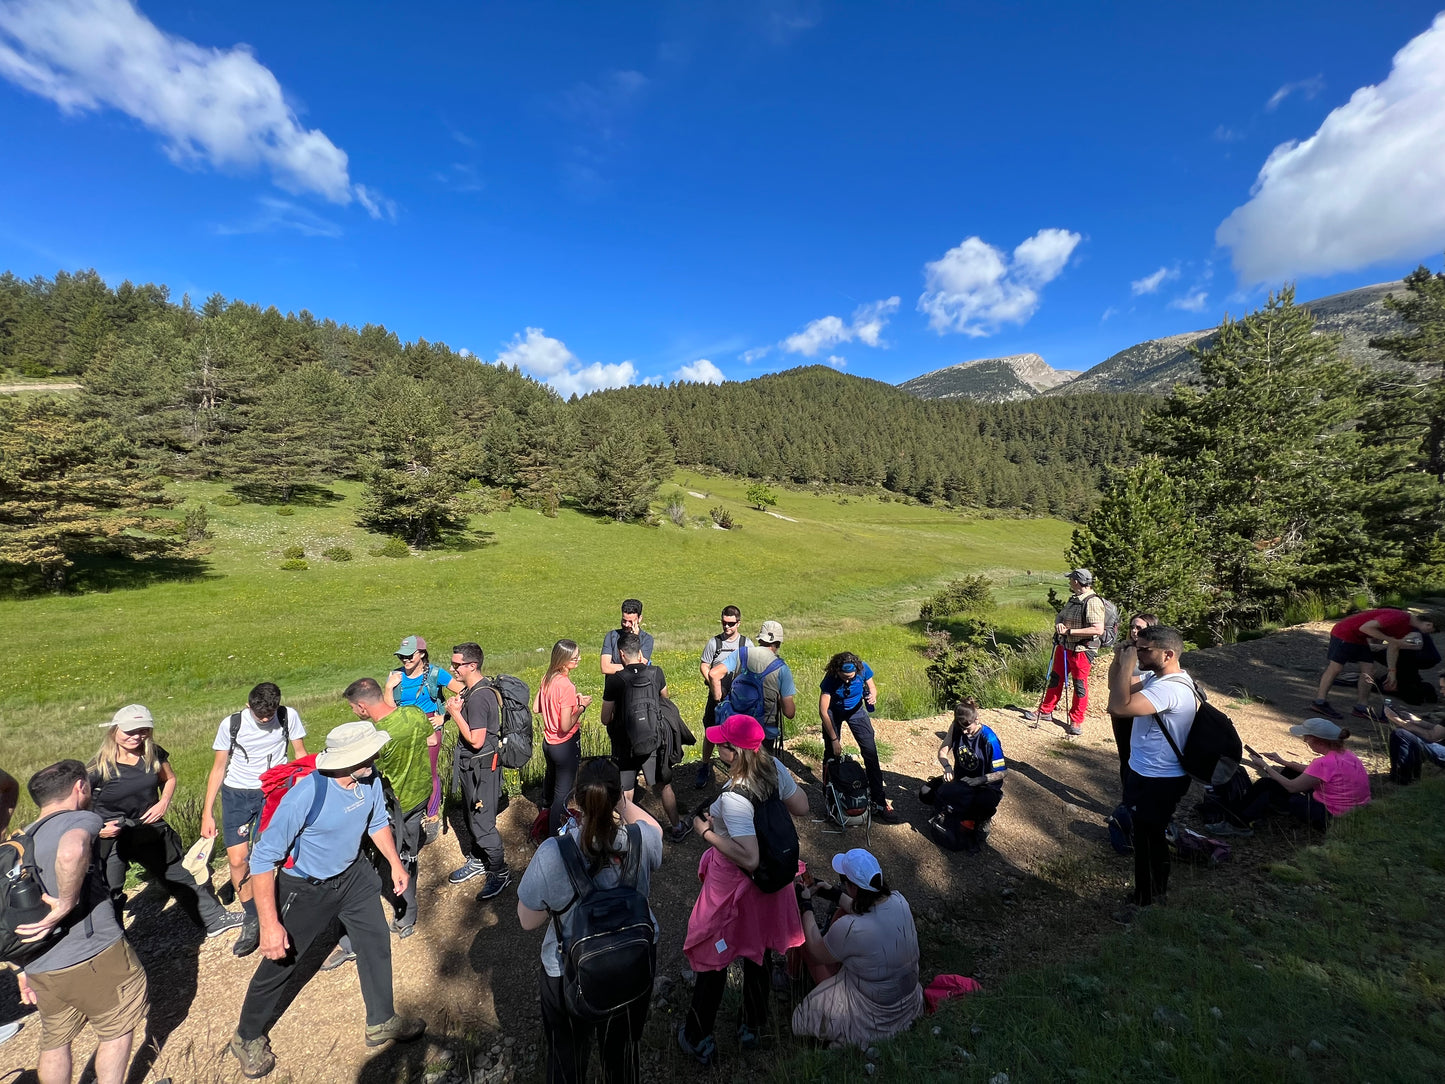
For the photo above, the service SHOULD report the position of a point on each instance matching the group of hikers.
(313, 841)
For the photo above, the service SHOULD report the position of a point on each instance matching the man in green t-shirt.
(405, 765)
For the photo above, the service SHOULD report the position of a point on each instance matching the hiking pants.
(707, 997)
(307, 908)
(1266, 796)
(563, 760)
(569, 1040)
(400, 910)
(1079, 663)
(157, 849)
(1408, 751)
(860, 723)
(1152, 801)
(1123, 735)
(481, 794)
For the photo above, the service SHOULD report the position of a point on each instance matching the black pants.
(1265, 796)
(481, 787)
(707, 997)
(861, 724)
(306, 910)
(569, 1040)
(157, 849)
(563, 760)
(400, 910)
(1152, 803)
(1123, 735)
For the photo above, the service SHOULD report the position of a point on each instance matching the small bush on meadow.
(722, 517)
(196, 523)
(227, 500)
(293, 553)
(337, 553)
(970, 595)
(676, 510)
(294, 564)
(392, 547)
(285, 510)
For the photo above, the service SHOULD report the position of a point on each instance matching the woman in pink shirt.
(561, 710)
(1335, 782)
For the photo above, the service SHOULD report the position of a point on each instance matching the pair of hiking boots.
(257, 1060)
(1034, 718)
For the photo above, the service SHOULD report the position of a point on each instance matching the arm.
(632, 813)
(788, 706)
(1298, 784)
(871, 694)
(72, 860)
(388, 692)
(1431, 732)
(1392, 664)
(274, 941)
(386, 844)
(530, 919)
(1124, 695)
(607, 711)
(813, 943)
(167, 776)
(9, 797)
(607, 665)
(213, 788)
(945, 758)
(715, 675)
(742, 852)
(298, 748)
(797, 803)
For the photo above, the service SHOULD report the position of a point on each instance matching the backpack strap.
(285, 720)
(1158, 720)
(234, 722)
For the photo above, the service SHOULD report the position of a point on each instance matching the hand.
(208, 825)
(1276, 758)
(27, 995)
(584, 702)
(948, 775)
(1060, 627)
(110, 830)
(454, 702)
(274, 941)
(37, 931)
(1389, 683)
(155, 812)
(701, 824)
(836, 745)
(399, 879)
(434, 739)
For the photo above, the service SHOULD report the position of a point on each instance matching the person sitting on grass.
(968, 792)
(866, 965)
(1415, 740)
(1335, 782)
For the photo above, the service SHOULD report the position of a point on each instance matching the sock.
(249, 906)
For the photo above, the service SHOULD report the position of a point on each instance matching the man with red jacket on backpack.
(1077, 632)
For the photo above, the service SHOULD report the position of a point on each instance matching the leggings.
(157, 849)
(562, 759)
(861, 724)
(569, 1040)
(434, 806)
(707, 998)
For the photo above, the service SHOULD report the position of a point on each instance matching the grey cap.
(1083, 575)
(1318, 728)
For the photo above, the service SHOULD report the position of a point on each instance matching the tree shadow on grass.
(310, 496)
(106, 574)
(466, 541)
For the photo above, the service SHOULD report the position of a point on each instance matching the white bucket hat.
(351, 744)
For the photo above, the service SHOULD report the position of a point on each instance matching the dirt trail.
(472, 973)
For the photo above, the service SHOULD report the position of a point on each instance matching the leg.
(198, 901)
(1156, 802)
(482, 818)
(1333, 669)
(306, 910)
(564, 759)
(568, 1040)
(111, 1059)
(55, 1068)
(1055, 688)
(620, 1042)
(1263, 797)
(669, 805)
(1123, 735)
(757, 991)
(356, 893)
(1079, 666)
(433, 752)
(238, 858)
(115, 867)
(408, 843)
(862, 729)
(707, 995)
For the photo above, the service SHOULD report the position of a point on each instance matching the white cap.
(131, 718)
(860, 867)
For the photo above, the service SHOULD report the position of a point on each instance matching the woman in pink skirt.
(733, 917)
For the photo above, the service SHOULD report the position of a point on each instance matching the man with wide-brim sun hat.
(318, 827)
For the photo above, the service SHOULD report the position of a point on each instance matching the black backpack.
(514, 710)
(777, 842)
(606, 936)
(1213, 750)
(234, 721)
(20, 902)
(642, 709)
(845, 790)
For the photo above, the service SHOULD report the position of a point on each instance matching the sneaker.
(1362, 711)
(885, 813)
(705, 1050)
(229, 921)
(680, 831)
(1221, 829)
(431, 828)
(400, 1029)
(1034, 718)
(747, 1037)
(10, 1030)
(250, 939)
(254, 1055)
(1325, 708)
(475, 867)
(494, 885)
(1072, 731)
(704, 777)
(339, 955)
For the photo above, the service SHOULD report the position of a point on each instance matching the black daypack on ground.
(777, 842)
(1213, 750)
(20, 902)
(642, 720)
(1121, 829)
(234, 721)
(608, 944)
(514, 700)
(845, 791)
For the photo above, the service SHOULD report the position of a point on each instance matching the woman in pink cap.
(734, 917)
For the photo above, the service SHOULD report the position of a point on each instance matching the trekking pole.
(1064, 654)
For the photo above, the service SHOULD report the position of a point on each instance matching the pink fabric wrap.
(946, 987)
(733, 910)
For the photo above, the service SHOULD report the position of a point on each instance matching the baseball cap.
(860, 867)
(770, 633)
(1083, 575)
(739, 731)
(131, 718)
(411, 645)
(1318, 728)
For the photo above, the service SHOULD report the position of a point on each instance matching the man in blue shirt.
(319, 825)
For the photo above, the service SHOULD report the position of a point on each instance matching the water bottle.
(26, 902)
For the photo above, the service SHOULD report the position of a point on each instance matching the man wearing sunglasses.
(717, 650)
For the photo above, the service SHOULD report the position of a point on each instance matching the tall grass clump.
(676, 510)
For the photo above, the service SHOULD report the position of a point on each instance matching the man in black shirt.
(632, 714)
(476, 769)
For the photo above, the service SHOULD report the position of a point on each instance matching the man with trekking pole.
(1078, 630)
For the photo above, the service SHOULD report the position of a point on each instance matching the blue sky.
(608, 193)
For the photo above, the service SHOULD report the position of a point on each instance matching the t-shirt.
(733, 812)
(609, 645)
(74, 945)
(130, 792)
(257, 747)
(480, 709)
(1395, 623)
(1173, 698)
(776, 685)
(1344, 783)
(717, 649)
(412, 690)
(846, 694)
(559, 701)
(405, 760)
(614, 692)
(332, 840)
(546, 887)
(878, 950)
(978, 756)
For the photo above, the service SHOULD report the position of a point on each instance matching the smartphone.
(1251, 752)
(808, 881)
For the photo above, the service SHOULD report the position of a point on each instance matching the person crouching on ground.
(968, 792)
(612, 827)
(733, 917)
(1335, 782)
(320, 824)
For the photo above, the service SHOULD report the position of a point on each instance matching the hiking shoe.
(1034, 718)
(704, 777)
(705, 1050)
(1072, 731)
(747, 1037)
(1220, 829)
(403, 932)
(431, 827)
(1362, 711)
(475, 867)
(1325, 708)
(680, 831)
(229, 921)
(254, 1055)
(494, 885)
(339, 955)
(250, 938)
(400, 1029)
(885, 813)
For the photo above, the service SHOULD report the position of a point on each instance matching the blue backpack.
(745, 697)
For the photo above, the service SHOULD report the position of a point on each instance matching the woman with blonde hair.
(733, 917)
(561, 710)
(132, 782)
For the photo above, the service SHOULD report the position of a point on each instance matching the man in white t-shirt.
(1162, 697)
(247, 743)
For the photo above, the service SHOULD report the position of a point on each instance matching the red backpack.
(275, 783)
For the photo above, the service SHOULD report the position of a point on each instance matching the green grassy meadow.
(843, 572)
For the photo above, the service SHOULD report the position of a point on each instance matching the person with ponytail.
(1335, 782)
(561, 710)
(603, 838)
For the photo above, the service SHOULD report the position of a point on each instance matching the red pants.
(1078, 665)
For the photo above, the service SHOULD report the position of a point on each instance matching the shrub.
(722, 517)
(392, 547)
(676, 510)
(293, 553)
(294, 564)
(227, 500)
(196, 524)
(337, 553)
(285, 510)
(969, 595)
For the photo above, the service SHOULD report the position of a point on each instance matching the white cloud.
(700, 371)
(1225, 134)
(828, 331)
(539, 355)
(221, 107)
(273, 215)
(1368, 186)
(1110, 311)
(594, 377)
(837, 362)
(1307, 88)
(1194, 301)
(757, 353)
(1151, 283)
(973, 288)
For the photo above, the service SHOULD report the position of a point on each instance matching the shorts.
(108, 991)
(1342, 651)
(239, 810)
(650, 767)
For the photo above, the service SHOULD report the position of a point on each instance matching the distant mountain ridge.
(1156, 365)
